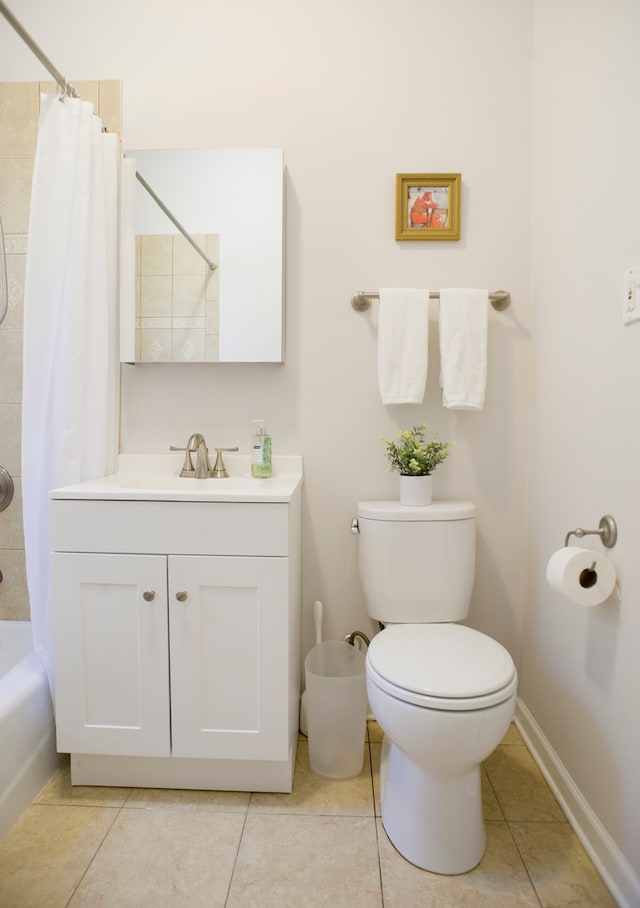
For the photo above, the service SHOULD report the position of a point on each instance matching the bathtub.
(27, 734)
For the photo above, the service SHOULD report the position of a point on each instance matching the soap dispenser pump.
(260, 451)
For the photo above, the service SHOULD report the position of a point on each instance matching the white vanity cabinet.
(176, 639)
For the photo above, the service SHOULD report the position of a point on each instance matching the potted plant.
(415, 459)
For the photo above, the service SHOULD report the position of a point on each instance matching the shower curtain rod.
(66, 87)
(69, 91)
(185, 234)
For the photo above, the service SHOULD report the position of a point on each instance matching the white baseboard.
(613, 867)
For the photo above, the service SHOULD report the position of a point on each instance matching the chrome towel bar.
(361, 301)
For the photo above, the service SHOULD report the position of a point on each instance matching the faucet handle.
(188, 469)
(219, 470)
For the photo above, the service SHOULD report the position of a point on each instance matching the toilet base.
(434, 821)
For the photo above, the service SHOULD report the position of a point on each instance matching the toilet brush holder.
(337, 709)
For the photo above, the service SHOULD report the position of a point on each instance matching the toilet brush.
(317, 623)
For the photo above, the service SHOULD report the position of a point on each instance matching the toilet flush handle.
(355, 526)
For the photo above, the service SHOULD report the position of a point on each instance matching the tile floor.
(323, 844)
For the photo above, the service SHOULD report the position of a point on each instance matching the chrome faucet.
(194, 445)
(202, 470)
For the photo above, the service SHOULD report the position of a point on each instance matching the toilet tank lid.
(438, 510)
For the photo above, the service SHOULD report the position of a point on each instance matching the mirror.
(175, 308)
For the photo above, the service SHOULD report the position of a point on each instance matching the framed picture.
(428, 206)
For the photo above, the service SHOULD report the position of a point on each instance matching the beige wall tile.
(14, 598)
(212, 246)
(16, 243)
(188, 296)
(188, 345)
(19, 119)
(212, 290)
(11, 535)
(155, 255)
(15, 193)
(16, 265)
(155, 345)
(10, 367)
(110, 104)
(212, 310)
(212, 348)
(88, 89)
(185, 258)
(10, 438)
(155, 296)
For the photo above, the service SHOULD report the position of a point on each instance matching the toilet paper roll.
(584, 576)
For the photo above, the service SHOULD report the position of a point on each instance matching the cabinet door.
(230, 665)
(111, 654)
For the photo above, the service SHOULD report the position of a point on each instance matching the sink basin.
(156, 478)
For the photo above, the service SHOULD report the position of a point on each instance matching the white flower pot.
(415, 491)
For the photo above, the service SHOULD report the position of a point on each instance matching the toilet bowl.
(443, 693)
(444, 696)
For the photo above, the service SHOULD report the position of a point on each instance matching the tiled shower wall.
(177, 307)
(19, 109)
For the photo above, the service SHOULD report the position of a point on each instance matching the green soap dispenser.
(260, 451)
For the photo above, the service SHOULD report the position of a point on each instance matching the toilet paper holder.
(607, 530)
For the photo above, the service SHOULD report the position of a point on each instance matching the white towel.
(463, 347)
(403, 336)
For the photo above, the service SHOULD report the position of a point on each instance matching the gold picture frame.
(428, 206)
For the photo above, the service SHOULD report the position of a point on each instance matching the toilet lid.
(441, 662)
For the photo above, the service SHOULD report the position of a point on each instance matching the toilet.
(443, 693)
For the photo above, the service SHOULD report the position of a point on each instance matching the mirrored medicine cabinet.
(175, 307)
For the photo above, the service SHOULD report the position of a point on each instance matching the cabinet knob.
(149, 595)
(181, 595)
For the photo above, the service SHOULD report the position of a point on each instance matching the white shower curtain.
(70, 372)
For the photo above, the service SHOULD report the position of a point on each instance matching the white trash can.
(336, 709)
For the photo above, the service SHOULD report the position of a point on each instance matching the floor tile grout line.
(118, 811)
(375, 828)
(495, 794)
(524, 864)
(237, 855)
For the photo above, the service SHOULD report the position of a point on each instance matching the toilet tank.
(417, 564)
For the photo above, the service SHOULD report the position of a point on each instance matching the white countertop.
(155, 477)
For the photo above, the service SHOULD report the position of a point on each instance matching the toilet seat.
(441, 666)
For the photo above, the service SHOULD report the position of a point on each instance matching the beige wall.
(580, 672)
(19, 108)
